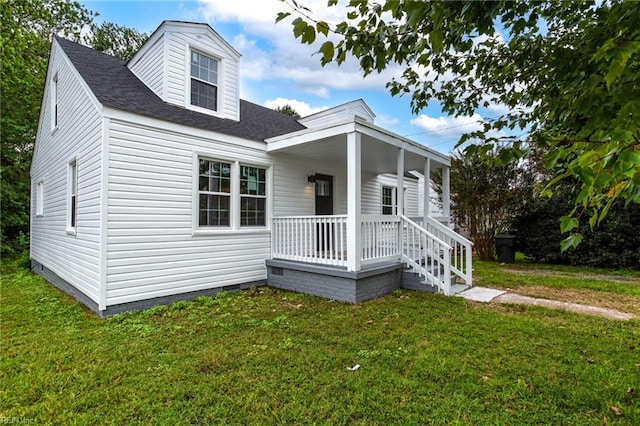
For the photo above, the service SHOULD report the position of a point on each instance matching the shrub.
(615, 243)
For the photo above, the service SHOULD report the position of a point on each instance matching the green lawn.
(274, 357)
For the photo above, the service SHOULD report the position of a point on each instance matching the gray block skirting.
(65, 286)
(334, 282)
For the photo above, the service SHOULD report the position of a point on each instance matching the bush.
(614, 243)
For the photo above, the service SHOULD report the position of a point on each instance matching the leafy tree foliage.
(289, 110)
(486, 197)
(115, 40)
(25, 30)
(614, 244)
(568, 71)
(26, 27)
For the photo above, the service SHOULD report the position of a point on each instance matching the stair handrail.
(450, 232)
(443, 283)
(429, 234)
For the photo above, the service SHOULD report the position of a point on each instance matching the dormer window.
(204, 81)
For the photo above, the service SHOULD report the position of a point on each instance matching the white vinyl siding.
(152, 249)
(294, 196)
(372, 193)
(150, 68)
(79, 135)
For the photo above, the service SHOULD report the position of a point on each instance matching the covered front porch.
(354, 241)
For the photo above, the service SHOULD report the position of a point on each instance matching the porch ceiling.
(379, 148)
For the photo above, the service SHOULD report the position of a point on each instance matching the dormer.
(191, 66)
(339, 114)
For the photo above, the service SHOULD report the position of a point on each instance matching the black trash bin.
(506, 248)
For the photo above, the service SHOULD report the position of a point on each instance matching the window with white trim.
(253, 196)
(40, 199)
(54, 102)
(214, 192)
(204, 81)
(388, 200)
(230, 195)
(72, 203)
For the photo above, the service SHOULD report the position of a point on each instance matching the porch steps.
(413, 281)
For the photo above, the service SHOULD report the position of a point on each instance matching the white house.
(153, 181)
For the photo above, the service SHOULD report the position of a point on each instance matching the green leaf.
(282, 15)
(572, 241)
(567, 223)
(437, 40)
(327, 51)
(323, 28)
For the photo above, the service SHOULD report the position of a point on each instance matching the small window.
(253, 196)
(214, 193)
(54, 102)
(388, 201)
(73, 196)
(204, 81)
(40, 199)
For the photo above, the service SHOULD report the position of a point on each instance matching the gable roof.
(116, 86)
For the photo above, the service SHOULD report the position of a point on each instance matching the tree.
(288, 110)
(115, 40)
(568, 71)
(486, 198)
(25, 31)
(26, 27)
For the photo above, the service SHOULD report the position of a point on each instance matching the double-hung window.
(253, 196)
(214, 193)
(231, 195)
(388, 200)
(204, 81)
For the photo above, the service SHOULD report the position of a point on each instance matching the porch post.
(425, 192)
(354, 233)
(446, 197)
(400, 184)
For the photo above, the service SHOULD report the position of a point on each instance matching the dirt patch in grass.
(566, 306)
(635, 280)
(619, 302)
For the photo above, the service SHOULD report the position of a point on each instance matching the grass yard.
(274, 357)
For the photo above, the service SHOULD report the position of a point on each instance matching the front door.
(324, 207)
(324, 195)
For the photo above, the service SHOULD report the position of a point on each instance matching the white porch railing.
(433, 251)
(426, 255)
(314, 239)
(380, 238)
(461, 247)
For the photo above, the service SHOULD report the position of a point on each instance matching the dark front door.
(324, 206)
(324, 195)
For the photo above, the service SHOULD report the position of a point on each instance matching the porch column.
(425, 191)
(400, 184)
(354, 233)
(446, 197)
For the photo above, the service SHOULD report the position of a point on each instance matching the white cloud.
(301, 107)
(449, 127)
(321, 92)
(385, 120)
(270, 51)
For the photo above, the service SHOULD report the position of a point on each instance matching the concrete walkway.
(483, 294)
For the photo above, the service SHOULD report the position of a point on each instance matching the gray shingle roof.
(116, 86)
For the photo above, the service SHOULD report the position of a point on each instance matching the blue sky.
(276, 69)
